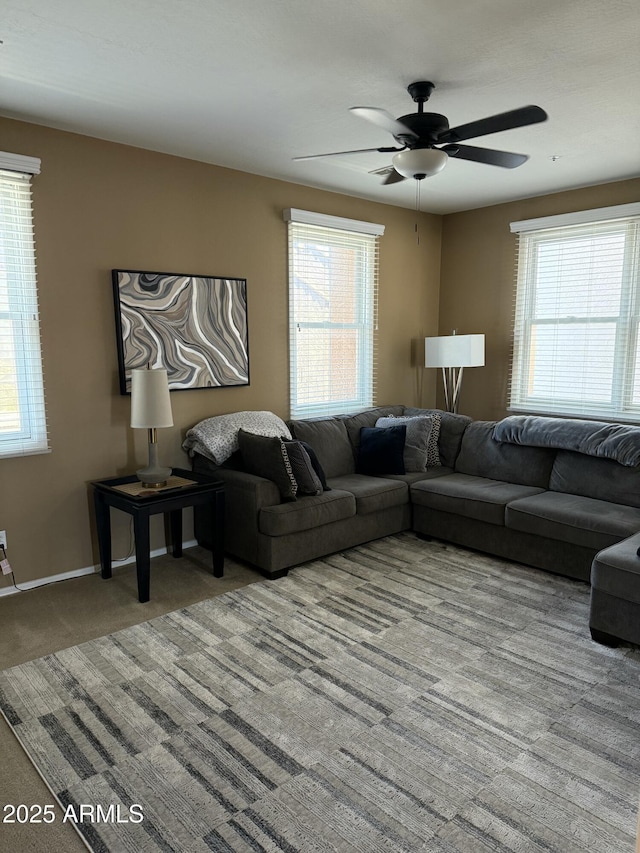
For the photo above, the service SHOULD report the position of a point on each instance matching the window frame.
(20, 307)
(336, 230)
(625, 364)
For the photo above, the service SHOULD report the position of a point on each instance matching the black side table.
(204, 490)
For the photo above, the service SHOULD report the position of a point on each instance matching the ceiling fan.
(426, 141)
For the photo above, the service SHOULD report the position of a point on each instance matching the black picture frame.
(193, 326)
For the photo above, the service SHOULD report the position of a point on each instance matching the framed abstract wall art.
(194, 326)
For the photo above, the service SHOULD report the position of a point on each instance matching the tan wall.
(477, 283)
(100, 206)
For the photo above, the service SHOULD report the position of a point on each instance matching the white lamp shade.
(420, 161)
(150, 400)
(454, 351)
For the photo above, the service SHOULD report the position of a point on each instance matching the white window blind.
(333, 291)
(576, 337)
(23, 428)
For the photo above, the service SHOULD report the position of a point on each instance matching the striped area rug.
(401, 696)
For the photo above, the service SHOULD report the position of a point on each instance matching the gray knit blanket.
(619, 442)
(217, 437)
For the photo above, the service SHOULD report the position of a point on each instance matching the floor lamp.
(453, 353)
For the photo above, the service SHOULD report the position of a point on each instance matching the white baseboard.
(77, 573)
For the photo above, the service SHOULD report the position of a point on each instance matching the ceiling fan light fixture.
(419, 162)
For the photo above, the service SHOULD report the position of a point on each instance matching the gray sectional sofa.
(274, 535)
(550, 493)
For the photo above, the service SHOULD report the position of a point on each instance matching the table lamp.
(453, 353)
(151, 409)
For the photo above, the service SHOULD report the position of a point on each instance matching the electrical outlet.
(3, 538)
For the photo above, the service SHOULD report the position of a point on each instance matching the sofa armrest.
(251, 490)
(245, 495)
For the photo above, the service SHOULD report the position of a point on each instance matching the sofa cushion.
(571, 518)
(577, 474)
(329, 439)
(473, 497)
(372, 493)
(381, 450)
(267, 457)
(452, 427)
(481, 456)
(306, 513)
(416, 445)
(616, 570)
(416, 476)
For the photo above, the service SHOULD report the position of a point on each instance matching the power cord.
(5, 565)
(132, 546)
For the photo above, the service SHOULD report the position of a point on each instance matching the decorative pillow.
(217, 438)
(417, 442)
(381, 450)
(306, 478)
(433, 448)
(317, 467)
(267, 457)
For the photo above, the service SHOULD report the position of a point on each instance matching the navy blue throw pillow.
(381, 450)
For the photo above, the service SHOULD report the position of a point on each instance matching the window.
(23, 428)
(576, 337)
(333, 284)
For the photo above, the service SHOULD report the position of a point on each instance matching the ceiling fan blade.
(493, 124)
(384, 120)
(340, 153)
(393, 177)
(389, 174)
(490, 156)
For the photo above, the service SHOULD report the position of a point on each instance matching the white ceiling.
(249, 84)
